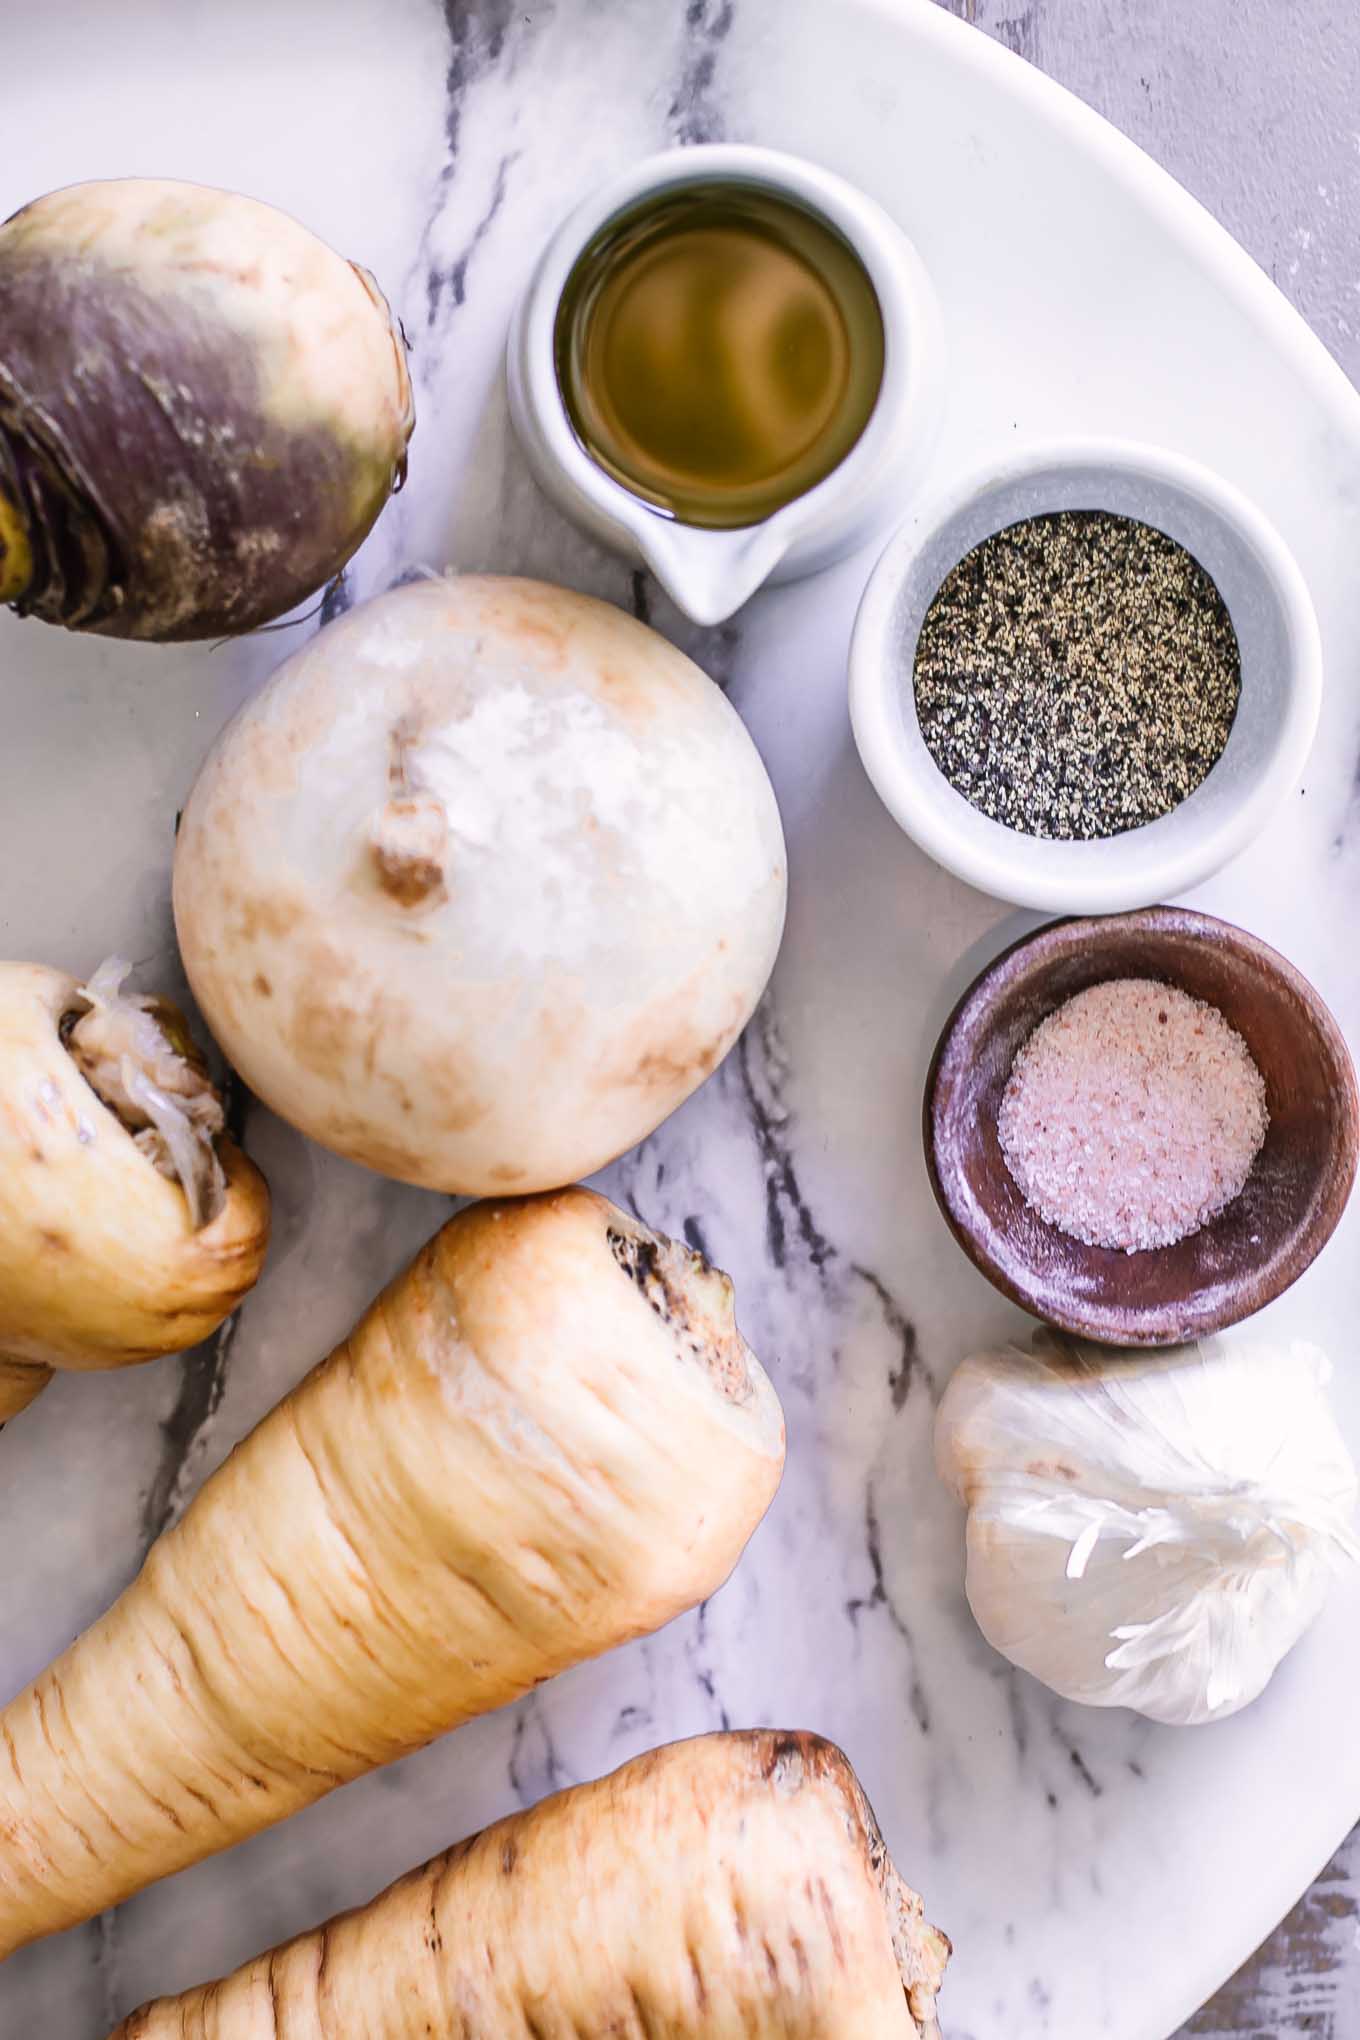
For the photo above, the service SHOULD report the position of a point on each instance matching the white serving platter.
(1099, 1876)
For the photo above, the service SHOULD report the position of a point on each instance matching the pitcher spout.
(709, 574)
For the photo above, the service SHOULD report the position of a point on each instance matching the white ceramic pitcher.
(708, 573)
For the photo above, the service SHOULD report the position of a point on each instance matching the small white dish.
(708, 574)
(1277, 713)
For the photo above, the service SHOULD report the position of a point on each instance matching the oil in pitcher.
(719, 350)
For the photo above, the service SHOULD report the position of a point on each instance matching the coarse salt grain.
(1132, 1115)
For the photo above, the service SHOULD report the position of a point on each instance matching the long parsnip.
(731, 1888)
(547, 1436)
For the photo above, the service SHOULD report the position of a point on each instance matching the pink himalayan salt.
(1132, 1115)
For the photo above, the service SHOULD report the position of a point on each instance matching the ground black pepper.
(1076, 675)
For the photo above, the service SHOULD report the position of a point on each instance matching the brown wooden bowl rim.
(1297, 1252)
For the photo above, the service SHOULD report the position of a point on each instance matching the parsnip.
(731, 1888)
(106, 1256)
(547, 1436)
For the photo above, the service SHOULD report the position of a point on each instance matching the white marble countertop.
(437, 145)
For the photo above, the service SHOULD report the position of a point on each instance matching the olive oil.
(719, 351)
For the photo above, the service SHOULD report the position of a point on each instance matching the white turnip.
(484, 882)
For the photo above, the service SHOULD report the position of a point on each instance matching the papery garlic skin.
(100, 1262)
(1151, 1531)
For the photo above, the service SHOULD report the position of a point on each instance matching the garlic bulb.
(1151, 1531)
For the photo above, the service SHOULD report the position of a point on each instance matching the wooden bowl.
(1260, 1243)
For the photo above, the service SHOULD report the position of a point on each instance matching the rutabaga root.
(202, 410)
(731, 1888)
(516, 1461)
(16, 553)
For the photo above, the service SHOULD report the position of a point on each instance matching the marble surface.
(1099, 1876)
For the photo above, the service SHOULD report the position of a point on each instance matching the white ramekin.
(1277, 712)
(711, 573)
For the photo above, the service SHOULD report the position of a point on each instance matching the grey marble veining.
(439, 144)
